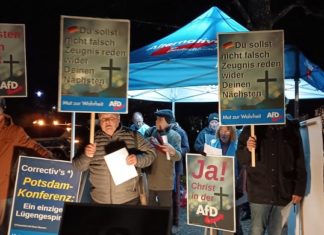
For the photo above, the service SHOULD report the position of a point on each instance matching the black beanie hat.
(167, 114)
(212, 116)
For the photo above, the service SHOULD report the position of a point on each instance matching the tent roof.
(186, 57)
(182, 67)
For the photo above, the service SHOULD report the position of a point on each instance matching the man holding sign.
(111, 138)
(279, 176)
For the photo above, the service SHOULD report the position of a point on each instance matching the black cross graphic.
(221, 195)
(110, 69)
(266, 80)
(11, 62)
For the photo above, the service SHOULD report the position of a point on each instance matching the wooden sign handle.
(92, 127)
(253, 150)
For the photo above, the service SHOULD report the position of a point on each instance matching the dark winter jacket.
(185, 148)
(280, 165)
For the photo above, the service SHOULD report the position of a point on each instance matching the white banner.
(309, 219)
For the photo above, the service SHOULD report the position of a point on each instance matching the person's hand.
(131, 159)
(251, 143)
(49, 155)
(168, 148)
(90, 150)
(154, 141)
(296, 199)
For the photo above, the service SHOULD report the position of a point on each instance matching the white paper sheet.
(285, 212)
(209, 150)
(120, 171)
(165, 141)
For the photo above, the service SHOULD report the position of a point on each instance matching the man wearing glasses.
(111, 137)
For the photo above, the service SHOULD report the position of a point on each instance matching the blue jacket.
(201, 139)
(231, 151)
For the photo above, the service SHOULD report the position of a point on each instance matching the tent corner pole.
(173, 108)
(296, 103)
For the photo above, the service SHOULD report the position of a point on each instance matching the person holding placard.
(279, 176)
(113, 137)
(226, 140)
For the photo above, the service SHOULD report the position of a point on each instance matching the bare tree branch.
(243, 12)
(246, 14)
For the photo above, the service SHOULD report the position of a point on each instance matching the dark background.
(150, 21)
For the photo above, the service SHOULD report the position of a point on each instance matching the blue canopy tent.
(182, 67)
(302, 76)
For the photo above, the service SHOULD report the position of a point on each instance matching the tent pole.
(173, 108)
(297, 76)
(296, 104)
(72, 150)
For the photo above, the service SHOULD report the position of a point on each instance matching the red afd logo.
(117, 105)
(275, 116)
(167, 49)
(210, 214)
(11, 87)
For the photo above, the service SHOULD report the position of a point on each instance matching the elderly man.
(168, 149)
(111, 137)
(138, 123)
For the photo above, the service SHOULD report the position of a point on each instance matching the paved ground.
(186, 229)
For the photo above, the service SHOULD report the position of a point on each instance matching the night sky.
(150, 21)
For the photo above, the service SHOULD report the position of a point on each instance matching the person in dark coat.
(279, 175)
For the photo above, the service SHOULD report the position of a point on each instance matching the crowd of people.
(278, 178)
(169, 143)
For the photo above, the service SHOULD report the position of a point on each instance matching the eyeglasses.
(225, 132)
(109, 119)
